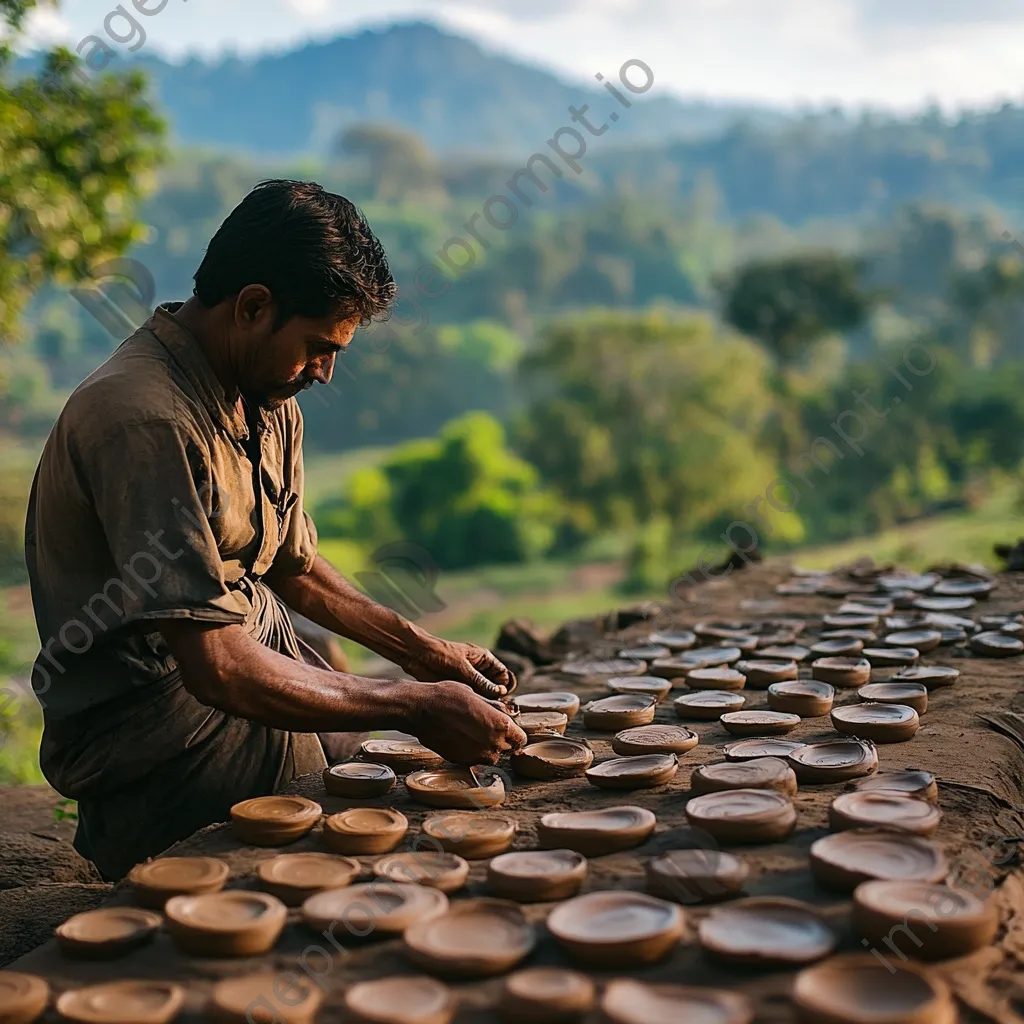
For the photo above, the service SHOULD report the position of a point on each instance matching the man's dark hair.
(313, 249)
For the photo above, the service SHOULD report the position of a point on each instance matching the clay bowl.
(707, 705)
(945, 922)
(645, 652)
(710, 657)
(233, 923)
(537, 876)
(716, 679)
(866, 636)
(910, 783)
(472, 835)
(674, 640)
(649, 686)
(23, 997)
(880, 723)
(643, 772)
(542, 723)
(944, 604)
(890, 657)
(455, 788)
(596, 668)
(635, 1002)
(566, 703)
(722, 630)
(748, 750)
(474, 939)
(930, 676)
(860, 989)
(595, 833)
(439, 870)
(785, 652)
(762, 672)
(654, 739)
(743, 815)
(843, 860)
(843, 647)
(921, 640)
(378, 907)
(364, 830)
(996, 645)
(359, 780)
(912, 695)
(235, 1000)
(695, 876)
(808, 698)
(759, 723)
(106, 933)
(156, 881)
(964, 588)
(841, 671)
(863, 620)
(294, 877)
(623, 711)
(679, 666)
(920, 583)
(833, 761)
(766, 932)
(401, 755)
(121, 1002)
(884, 810)
(545, 995)
(619, 929)
(553, 758)
(758, 773)
(406, 999)
(274, 820)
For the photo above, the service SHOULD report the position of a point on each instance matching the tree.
(398, 163)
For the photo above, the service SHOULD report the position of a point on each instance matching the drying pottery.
(156, 881)
(363, 830)
(474, 939)
(996, 645)
(439, 870)
(650, 686)
(654, 739)
(851, 621)
(911, 695)
(707, 705)
(808, 698)
(785, 652)
(562, 701)
(964, 588)
(725, 630)
(406, 999)
(758, 773)
(945, 922)
(472, 835)
(766, 932)
(233, 923)
(867, 606)
(888, 657)
(359, 780)
(860, 989)
(597, 667)
(716, 679)
(610, 714)
(866, 636)
(274, 820)
(594, 833)
(920, 583)
(554, 758)
(710, 657)
(674, 639)
(542, 723)
(294, 877)
(944, 604)
(833, 760)
(910, 783)
(759, 723)
(743, 815)
(880, 723)
(537, 876)
(762, 672)
(401, 756)
(106, 933)
(546, 995)
(695, 876)
(643, 772)
(635, 1002)
(645, 652)
(843, 860)
(123, 1002)
(748, 750)
(884, 810)
(845, 672)
(457, 788)
(23, 997)
(921, 640)
(254, 997)
(380, 908)
(844, 647)
(679, 666)
(996, 620)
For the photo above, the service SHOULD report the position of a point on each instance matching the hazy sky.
(900, 53)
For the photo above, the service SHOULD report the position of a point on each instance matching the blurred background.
(806, 206)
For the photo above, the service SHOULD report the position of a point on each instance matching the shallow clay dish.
(106, 933)
(964, 588)
(537, 876)
(843, 860)
(716, 679)
(650, 686)
(594, 833)
(542, 723)
(472, 835)
(710, 657)
(759, 723)
(884, 810)
(554, 758)
(748, 750)
(654, 739)
(931, 676)
(363, 830)
(674, 640)
(123, 1002)
(643, 772)
(945, 922)
(564, 702)
(233, 923)
(757, 773)
(379, 907)
(156, 881)
(23, 997)
(888, 657)
(842, 671)
(546, 994)
(679, 666)
(474, 939)
(743, 815)
(707, 705)
(635, 1002)
(880, 723)
(785, 652)
(401, 755)
(860, 989)
(808, 698)
(922, 640)
(274, 820)
(406, 999)
(944, 604)
(996, 645)
(766, 932)
(910, 783)
(833, 760)
(358, 780)
(618, 929)
(439, 870)
(844, 647)
(456, 788)
(912, 695)
(852, 620)
(598, 667)
(645, 652)
(624, 710)
(762, 672)
(232, 1000)
(294, 877)
(695, 876)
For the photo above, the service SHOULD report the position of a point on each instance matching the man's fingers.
(491, 667)
(483, 685)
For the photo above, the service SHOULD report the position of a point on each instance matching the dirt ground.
(981, 792)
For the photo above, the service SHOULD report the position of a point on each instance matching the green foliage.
(14, 487)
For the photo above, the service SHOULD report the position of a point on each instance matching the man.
(166, 533)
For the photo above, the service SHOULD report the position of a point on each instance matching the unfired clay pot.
(880, 809)
(123, 1002)
(473, 835)
(264, 996)
(223, 924)
(635, 1002)
(294, 877)
(695, 876)
(106, 933)
(766, 931)
(758, 773)
(743, 815)
(546, 995)
(156, 881)
(406, 999)
(595, 833)
(23, 997)
(537, 876)
(843, 860)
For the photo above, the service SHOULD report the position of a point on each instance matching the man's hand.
(433, 659)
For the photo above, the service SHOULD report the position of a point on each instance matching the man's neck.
(200, 323)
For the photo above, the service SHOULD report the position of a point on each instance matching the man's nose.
(323, 370)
